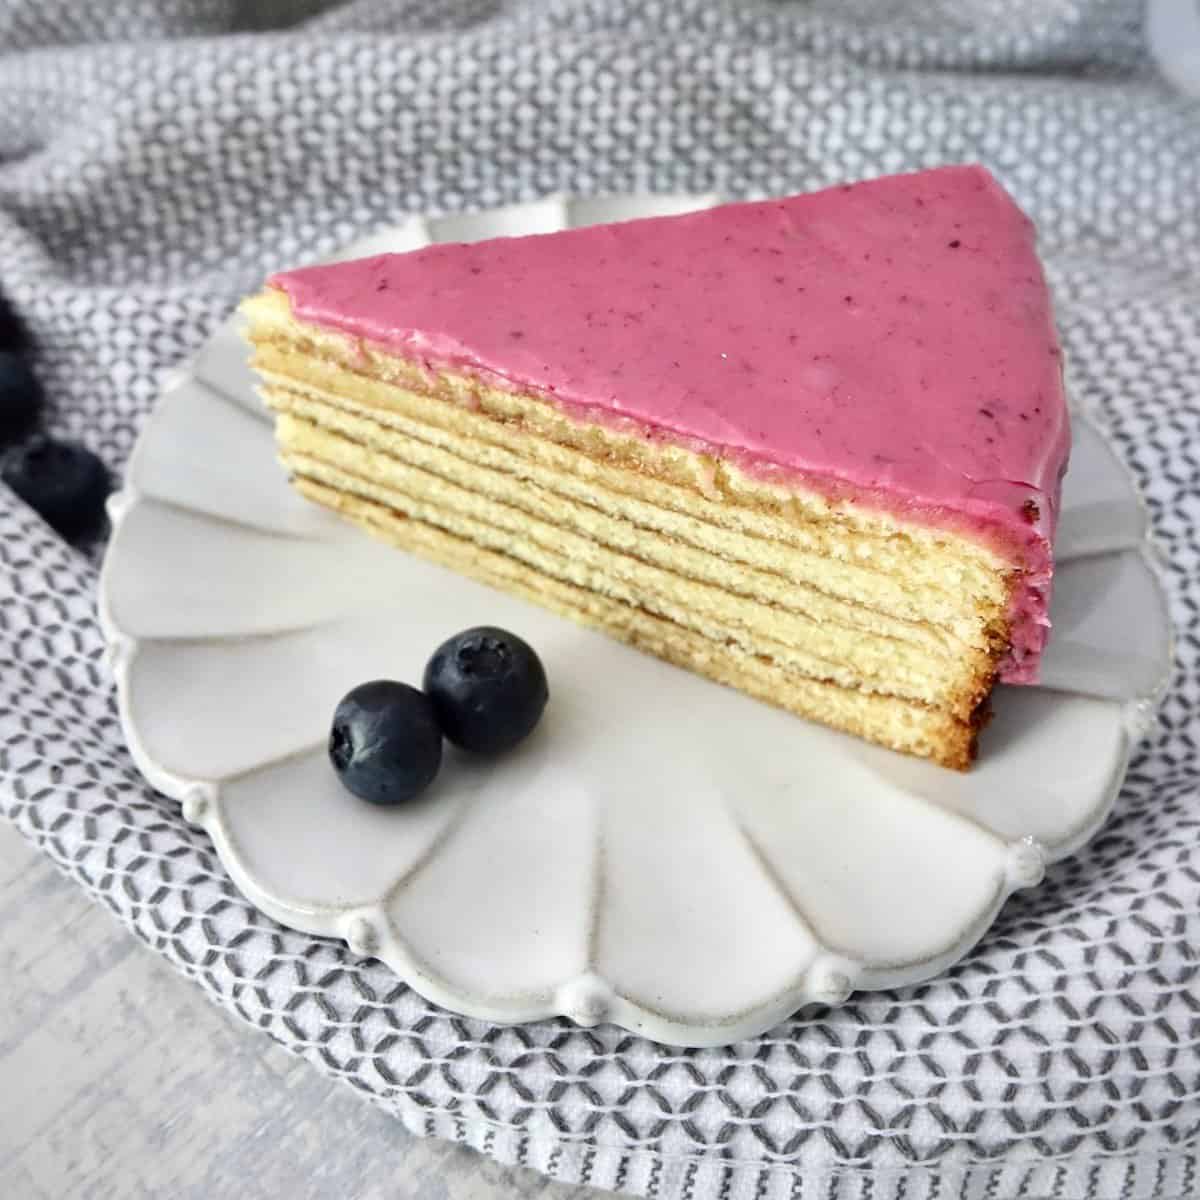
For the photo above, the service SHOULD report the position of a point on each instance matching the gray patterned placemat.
(154, 164)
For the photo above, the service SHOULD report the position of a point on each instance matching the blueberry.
(13, 334)
(385, 743)
(65, 484)
(488, 688)
(20, 393)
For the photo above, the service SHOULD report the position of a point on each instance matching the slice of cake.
(809, 447)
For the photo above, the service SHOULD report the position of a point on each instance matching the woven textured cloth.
(156, 158)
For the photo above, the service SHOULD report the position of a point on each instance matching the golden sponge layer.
(885, 629)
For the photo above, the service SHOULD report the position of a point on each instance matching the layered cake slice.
(810, 447)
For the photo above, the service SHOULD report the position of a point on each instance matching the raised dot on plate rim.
(362, 935)
(830, 982)
(196, 803)
(1026, 865)
(1139, 716)
(587, 1000)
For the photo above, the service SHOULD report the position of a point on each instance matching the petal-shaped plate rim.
(588, 999)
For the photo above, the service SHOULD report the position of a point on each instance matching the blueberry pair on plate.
(485, 689)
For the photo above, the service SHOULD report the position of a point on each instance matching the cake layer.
(545, 494)
(903, 725)
(815, 634)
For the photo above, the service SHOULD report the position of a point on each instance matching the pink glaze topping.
(889, 342)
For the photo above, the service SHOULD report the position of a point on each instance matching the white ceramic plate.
(664, 853)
